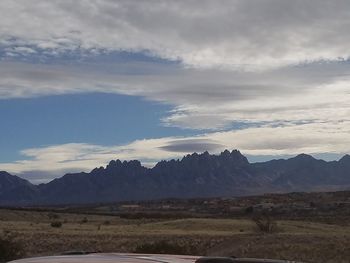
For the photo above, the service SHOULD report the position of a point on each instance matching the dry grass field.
(294, 240)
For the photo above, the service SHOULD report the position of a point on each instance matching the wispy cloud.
(202, 98)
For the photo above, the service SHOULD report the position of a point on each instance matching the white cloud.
(230, 33)
(220, 44)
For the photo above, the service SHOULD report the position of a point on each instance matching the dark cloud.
(192, 145)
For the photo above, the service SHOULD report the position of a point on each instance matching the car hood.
(141, 258)
(110, 258)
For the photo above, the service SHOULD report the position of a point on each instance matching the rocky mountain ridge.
(195, 175)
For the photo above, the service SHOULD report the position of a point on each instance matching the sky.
(85, 82)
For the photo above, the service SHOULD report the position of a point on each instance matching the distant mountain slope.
(15, 190)
(305, 173)
(195, 175)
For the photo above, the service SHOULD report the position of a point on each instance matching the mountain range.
(195, 175)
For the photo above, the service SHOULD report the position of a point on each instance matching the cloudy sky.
(83, 82)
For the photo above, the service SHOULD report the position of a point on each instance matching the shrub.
(53, 216)
(265, 223)
(84, 220)
(56, 224)
(10, 249)
(249, 210)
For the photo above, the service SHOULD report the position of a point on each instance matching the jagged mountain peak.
(118, 163)
(114, 163)
(205, 159)
(234, 156)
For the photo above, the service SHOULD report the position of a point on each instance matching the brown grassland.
(306, 241)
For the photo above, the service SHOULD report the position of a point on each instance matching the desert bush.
(10, 249)
(164, 247)
(84, 220)
(53, 216)
(265, 224)
(249, 210)
(56, 224)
